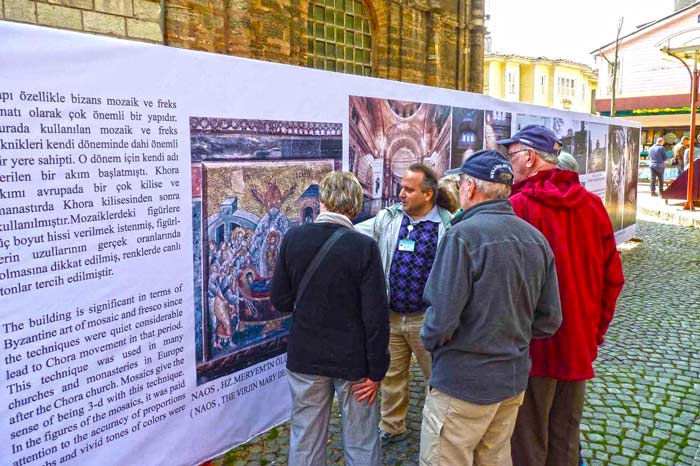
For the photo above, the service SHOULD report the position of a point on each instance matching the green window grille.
(339, 37)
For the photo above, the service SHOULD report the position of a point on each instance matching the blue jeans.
(312, 397)
(657, 172)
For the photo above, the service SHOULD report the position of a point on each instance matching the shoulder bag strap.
(316, 261)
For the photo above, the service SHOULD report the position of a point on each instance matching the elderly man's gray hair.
(547, 156)
(489, 189)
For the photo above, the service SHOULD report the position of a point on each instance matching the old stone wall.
(417, 41)
(134, 19)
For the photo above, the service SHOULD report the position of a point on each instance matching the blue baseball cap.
(535, 136)
(487, 165)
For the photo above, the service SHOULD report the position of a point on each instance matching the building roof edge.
(647, 26)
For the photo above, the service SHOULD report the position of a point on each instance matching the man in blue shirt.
(408, 235)
(657, 161)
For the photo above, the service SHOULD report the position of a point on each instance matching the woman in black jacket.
(338, 342)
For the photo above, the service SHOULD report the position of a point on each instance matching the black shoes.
(387, 438)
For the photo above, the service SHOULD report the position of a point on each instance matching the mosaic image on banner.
(243, 204)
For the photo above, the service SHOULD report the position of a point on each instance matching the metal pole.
(689, 203)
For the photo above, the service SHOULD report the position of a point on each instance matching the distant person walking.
(686, 157)
(678, 152)
(657, 165)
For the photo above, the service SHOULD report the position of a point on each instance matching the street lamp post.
(685, 54)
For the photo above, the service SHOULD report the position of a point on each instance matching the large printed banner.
(144, 193)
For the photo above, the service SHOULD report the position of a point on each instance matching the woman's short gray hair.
(341, 193)
(489, 189)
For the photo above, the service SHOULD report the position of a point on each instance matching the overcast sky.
(567, 29)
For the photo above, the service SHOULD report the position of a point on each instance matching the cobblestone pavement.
(643, 408)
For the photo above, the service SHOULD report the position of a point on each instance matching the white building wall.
(645, 70)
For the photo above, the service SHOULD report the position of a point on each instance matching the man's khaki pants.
(459, 433)
(404, 339)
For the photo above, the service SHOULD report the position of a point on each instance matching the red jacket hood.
(578, 229)
(555, 188)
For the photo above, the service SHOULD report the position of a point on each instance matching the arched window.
(339, 37)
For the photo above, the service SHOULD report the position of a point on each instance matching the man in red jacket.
(589, 270)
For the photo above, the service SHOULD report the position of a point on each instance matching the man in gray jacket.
(492, 289)
(657, 165)
(407, 235)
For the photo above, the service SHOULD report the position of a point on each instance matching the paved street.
(644, 406)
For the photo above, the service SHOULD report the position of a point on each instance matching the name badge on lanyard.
(407, 245)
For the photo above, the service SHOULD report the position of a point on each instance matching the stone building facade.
(432, 42)
(134, 19)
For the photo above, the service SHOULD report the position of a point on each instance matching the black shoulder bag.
(316, 261)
